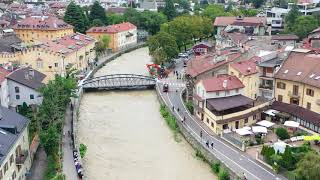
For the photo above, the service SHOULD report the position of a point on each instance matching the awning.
(291, 124)
(220, 104)
(265, 123)
(259, 129)
(243, 132)
(271, 112)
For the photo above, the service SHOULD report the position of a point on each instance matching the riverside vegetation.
(171, 121)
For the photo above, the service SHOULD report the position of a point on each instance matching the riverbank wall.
(195, 143)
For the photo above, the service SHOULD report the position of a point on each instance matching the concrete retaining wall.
(196, 144)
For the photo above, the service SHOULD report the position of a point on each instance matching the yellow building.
(31, 29)
(121, 35)
(219, 102)
(247, 72)
(53, 57)
(297, 88)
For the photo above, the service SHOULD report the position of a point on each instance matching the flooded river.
(126, 137)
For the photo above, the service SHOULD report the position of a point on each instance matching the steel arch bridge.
(119, 81)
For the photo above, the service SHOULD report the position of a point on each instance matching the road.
(232, 157)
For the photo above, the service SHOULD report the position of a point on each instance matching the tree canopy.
(75, 16)
(309, 167)
(304, 25)
(162, 47)
(98, 12)
(291, 17)
(169, 10)
(103, 43)
(213, 11)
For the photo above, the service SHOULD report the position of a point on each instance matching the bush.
(189, 106)
(52, 168)
(82, 150)
(282, 133)
(215, 167)
(223, 175)
(200, 155)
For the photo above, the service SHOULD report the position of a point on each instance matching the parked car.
(165, 87)
(183, 55)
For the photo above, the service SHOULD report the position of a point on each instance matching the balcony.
(269, 75)
(294, 94)
(264, 86)
(20, 159)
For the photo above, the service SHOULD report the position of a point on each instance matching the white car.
(183, 55)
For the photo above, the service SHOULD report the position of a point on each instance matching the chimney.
(225, 84)
(31, 73)
(26, 75)
(249, 69)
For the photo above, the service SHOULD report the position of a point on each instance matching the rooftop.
(247, 67)
(112, 28)
(43, 23)
(252, 21)
(225, 103)
(301, 67)
(204, 63)
(222, 83)
(284, 37)
(27, 77)
(271, 63)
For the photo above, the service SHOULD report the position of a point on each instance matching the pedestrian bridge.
(119, 81)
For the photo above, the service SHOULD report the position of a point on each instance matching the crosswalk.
(173, 84)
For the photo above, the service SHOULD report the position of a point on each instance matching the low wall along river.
(126, 135)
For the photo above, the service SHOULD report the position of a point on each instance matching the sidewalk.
(39, 165)
(69, 168)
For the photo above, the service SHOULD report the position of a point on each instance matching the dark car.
(165, 87)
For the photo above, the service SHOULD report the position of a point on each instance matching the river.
(127, 137)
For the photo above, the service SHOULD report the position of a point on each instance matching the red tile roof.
(252, 21)
(3, 74)
(246, 67)
(301, 67)
(216, 83)
(50, 23)
(201, 64)
(285, 37)
(68, 43)
(112, 28)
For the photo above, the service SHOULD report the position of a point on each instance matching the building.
(15, 160)
(52, 57)
(122, 35)
(275, 18)
(219, 102)
(247, 25)
(298, 88)
(284, 40)
(247, 72)
(231, 40)
(21, 85)
(31, 29)
(202, 48)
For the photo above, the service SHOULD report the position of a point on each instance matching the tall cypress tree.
(98, 12)
(74, 15)
(170, 10)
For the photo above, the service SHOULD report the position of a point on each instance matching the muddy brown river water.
(127, 138)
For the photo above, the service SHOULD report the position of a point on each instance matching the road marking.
(210, 136)
(261, 167)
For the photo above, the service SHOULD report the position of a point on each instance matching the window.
(295, 89)
(11, 159)
(254, 117)
(208, 121)
(16, 89)
(310, 92)
(14, 175)
(17, 96)
(55, 64)
(212, 124)
(39, 64)
(308, 105)
(31, 96)
(246, 120)
(5, 168)
(280, 98)
(281, 85)
(217, 93)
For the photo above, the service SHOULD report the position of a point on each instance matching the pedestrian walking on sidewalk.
(207, 143)
(172, 108)
(200, 134)
(178, 109)
(211, 145)
(184, 119)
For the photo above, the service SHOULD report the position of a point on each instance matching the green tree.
(304, 25)
(98, 12)
(50, 140)
(257, 3)
(223, 175)
(169, 10)
(162, 47)
(287, 159)
(184, 4)
(291, 18)
(97, 23)
(308, 167)
(115, 18)
(82, 150)
(282, 133)
(103, 43)
(213, 11)
(75, 16)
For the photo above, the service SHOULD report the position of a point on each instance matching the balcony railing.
(20, 159)
(294, 94)
(263, 86)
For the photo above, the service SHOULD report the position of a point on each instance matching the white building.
(15, 159)
(21, 86)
